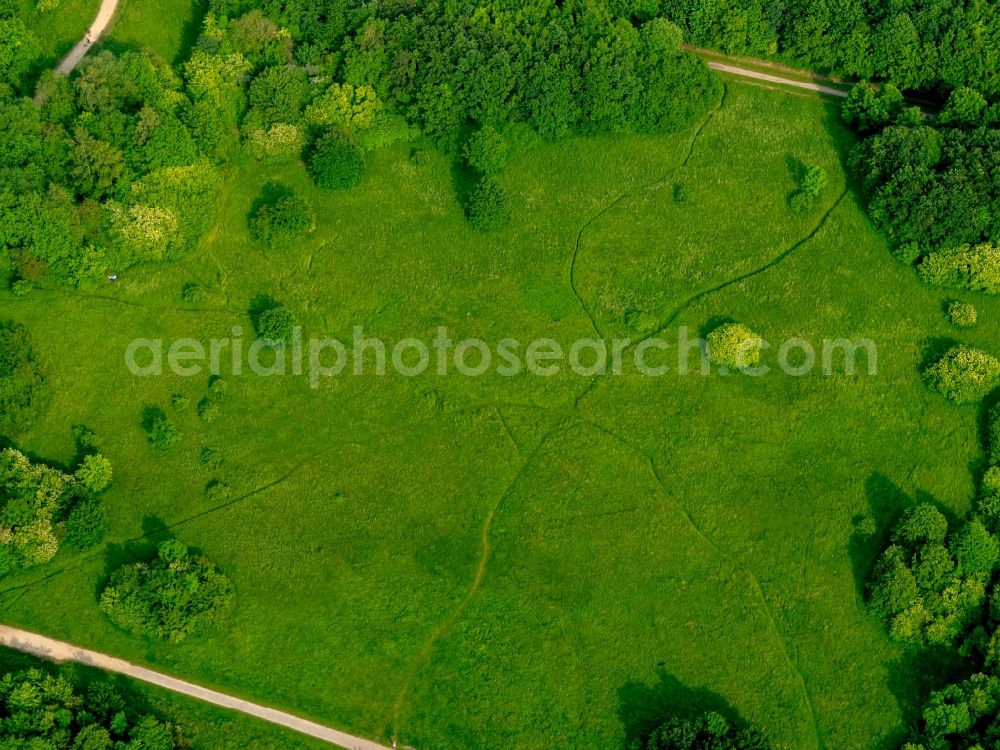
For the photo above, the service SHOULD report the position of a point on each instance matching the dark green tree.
(488, 207)
(335, 162)
(174, 596)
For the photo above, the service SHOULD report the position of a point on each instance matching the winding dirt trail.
(104, 16)
(47, 648)
(769, 78)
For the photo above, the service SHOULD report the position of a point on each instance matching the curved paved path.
(104, 14)
(46, 648)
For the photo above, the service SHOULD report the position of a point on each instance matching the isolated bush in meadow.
(279, 223)
(210, 457)
(217, 492)
(962, 314)
(208, 410)
(276, 324)
(734, 346)
(489, 206)
(813, 182)
(162, 433)
(963, 374)
(193, 292)
(801, 203)
(218, 387)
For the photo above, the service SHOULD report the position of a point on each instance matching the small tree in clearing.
(734, 346)
(276, 324)
(962, 314)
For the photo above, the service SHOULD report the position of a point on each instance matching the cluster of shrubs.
(281, 218)
(101, 171)
(327, 85)
(930, 584)
(174, 596)
(41, 507)
(163, 434)
(935, 585)
(973, 267)
(488, 206)
(209, 408)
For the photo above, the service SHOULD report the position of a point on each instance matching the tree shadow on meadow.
(270, 193)
(886, 503)
(642, 708)
(933, 348)
(712, 323)
(191, 30)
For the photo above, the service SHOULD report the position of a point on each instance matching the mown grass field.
(511, 562)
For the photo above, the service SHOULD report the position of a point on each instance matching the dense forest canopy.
(935, 45)
(44, 711)
(120, 163)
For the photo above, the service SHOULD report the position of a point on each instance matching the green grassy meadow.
(507, 562)
(60, 28)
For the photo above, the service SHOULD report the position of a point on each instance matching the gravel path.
(104, 15)
(46, 648)
(748, 73)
